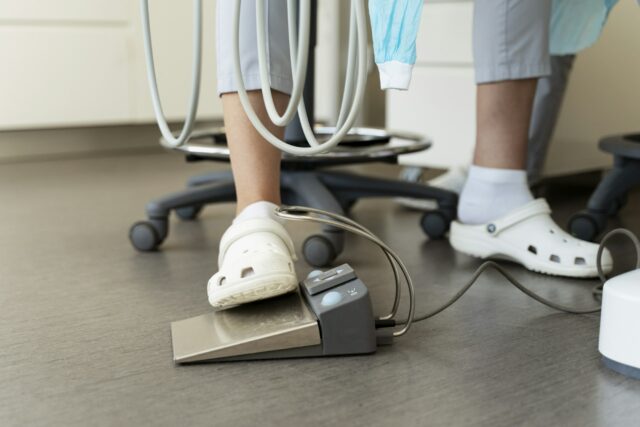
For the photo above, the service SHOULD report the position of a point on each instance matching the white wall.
(80, 62)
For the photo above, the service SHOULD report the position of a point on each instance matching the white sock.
(492, 193)
(257, 210)
(452, 180)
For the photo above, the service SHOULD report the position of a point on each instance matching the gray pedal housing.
(341, 302)
(330, 316)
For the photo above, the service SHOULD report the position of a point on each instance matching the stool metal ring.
(362, 145)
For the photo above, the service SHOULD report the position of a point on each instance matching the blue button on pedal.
(331, 298)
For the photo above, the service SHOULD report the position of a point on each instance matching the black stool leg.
(148, 235)
(305, 188)
(209, 178)
(348, 188)
(607, 199)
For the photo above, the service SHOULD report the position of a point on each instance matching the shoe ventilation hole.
(533, 250)
(222, 281)
(552, 232)
(247, 272)
(554, 258)
(580, 261)
(565, 240)
(245, 251)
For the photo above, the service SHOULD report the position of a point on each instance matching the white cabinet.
(80, 62)
(601, 98)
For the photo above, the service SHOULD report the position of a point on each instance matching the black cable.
(514, 282)
(597, 291)
(617, 231)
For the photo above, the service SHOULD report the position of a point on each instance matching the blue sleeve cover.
(394, 26)
(577, 24)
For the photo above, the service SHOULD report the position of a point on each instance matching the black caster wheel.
(584, 225)
(189, 213)
(435, 224)
(318, 251)
(145, 237)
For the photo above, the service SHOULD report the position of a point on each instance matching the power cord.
(618, 231)
(319, 216)
(597, 291)
(299, 213)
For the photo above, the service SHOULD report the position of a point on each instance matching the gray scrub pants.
(511, 39)
(277, 46)
(510, 42)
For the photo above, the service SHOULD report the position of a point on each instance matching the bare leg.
(256, 259)
(503, 118)
(255, 162)
(497, 181)
(546, 108)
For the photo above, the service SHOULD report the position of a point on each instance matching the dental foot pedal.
(330, 315)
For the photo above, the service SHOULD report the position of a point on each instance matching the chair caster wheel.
(189, 213)
(318, 251)
(435, 224)
(585, 226)
(145, 236)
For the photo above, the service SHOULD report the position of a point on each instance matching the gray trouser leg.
(511, 39)
(277, 46)
(546, 108)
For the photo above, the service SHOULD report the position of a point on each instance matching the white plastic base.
(620, 324)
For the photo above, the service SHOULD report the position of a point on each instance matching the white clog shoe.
(255, 262)
(530, 237)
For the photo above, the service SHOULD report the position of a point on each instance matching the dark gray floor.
(85, 322)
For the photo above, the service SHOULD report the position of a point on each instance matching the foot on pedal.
(256, 262)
